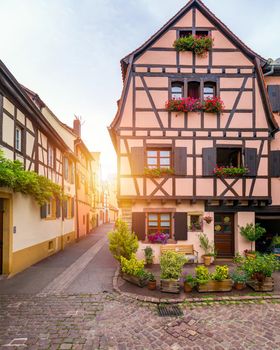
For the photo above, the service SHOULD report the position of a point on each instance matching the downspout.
(270, 72)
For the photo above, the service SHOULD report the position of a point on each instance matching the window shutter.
(180, 161)
(274, 162)
(181, 226)
(274, 96)
(209, 161)
(139, 225)
(72, 207)
(65, 209)
(137, 160)
(57, 208)
(251, 161)
(43, 211)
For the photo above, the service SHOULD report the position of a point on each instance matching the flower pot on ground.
(149, 256)
(217, 281)
(239, 278)
(252, 232)
(208, 248)
(171, 265)
(152, 283)
(189, 283)
(132, 270)
(260, 270)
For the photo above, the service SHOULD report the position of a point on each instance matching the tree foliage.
(122, 242)
(13, 176)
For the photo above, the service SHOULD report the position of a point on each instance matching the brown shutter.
(72, 207)
(181, 226)
(57, 208)
(180, 161)
(209, 161)
(137, 160)
(43, 211)
(139, 225)
(274, 163)
(251, 161)
(274, 96)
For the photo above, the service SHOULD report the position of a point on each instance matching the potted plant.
(171, 265)
(152, 283)
(208, 219)
(199, 44)
(217, 281)
(149, 256)
(260, 271)
(189, 283)
(132, 270)
(252, 233)
(208, 248)
(158, 237)
(239, 278)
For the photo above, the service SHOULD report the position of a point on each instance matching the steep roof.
(210, 16)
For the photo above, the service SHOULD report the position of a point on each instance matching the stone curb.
(187, 300)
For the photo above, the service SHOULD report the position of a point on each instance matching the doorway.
(224, 235)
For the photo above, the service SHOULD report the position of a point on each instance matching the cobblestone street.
(78, 309)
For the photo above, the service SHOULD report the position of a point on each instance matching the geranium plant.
(230, 171)
(197, 43)
(188, 104)
(158, 172)
(158, 237)
(213, 105)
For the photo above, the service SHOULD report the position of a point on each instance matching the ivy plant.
(13, 176)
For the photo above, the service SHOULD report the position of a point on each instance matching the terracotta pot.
(207, 260)
(187, 287)
(152, 285)
(240, 285)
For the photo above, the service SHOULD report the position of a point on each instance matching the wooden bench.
(187, 250)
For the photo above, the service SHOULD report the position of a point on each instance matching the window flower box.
(196, 43)
(188, 104)
(158, 172)
(230, 172)
(213, 105)
(158, 237)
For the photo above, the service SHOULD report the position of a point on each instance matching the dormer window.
(177, 90)
(209, 90)
(194, 89)
(202, 32)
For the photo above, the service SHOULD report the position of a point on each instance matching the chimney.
(77, 127)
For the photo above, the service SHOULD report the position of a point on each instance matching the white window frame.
(50, 156)
(18, 139)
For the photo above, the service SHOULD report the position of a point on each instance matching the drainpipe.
(270, 72)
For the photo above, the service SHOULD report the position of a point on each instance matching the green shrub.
(276, 242)
(252, 232)
(262, 264)
(171, 265)
(132, 266)
(149, 255)
(221, 273)
(122, 242)
(202, 274)
(190, 279)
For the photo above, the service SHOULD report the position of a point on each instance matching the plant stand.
(266, 286)
(134, 280)
(170, 286)
(215, 286)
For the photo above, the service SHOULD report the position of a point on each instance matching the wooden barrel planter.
(215, 286)
(170, 286)
(134, 280)
(266, 286)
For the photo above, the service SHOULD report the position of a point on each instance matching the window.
(185, 33)
(50, 156)
(66, 169)
(177, 90)
(195, 222)
(194, 89)
(202, 32)
(51, 209)
(158, 158)
(229, 157)
(159, 223)
(209, 90)
(18, 140)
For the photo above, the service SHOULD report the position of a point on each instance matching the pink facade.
(147, 135)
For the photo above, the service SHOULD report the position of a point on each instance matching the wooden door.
(224, 235)
(1, 237)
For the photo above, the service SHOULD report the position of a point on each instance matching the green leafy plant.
(134, 267)
(149, 255)
(151, 277)
(122, 242)
(252, 232)
(275, 243)
(261, 266)
(206, 245)
(13, 176)
(202, 274)
(221, 273)
(171, 265)
(224, 171)
(239, 276)
(158, 172)
(198, 44)
(190, 279)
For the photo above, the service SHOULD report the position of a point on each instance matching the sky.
(69, 51)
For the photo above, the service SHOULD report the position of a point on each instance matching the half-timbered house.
(148, 136)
